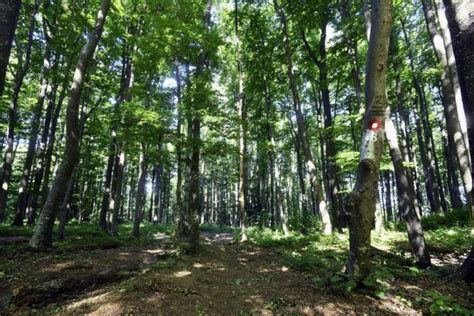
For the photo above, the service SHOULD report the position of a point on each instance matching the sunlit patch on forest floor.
(298, 275)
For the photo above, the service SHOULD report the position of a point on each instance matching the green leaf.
(336, 279)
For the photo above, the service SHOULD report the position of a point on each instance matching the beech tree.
(192, 116)
(44, 229)
(8, 19)
(361, 201)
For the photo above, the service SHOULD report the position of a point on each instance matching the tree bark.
(182, 222)
(461, 25)
(9, 11)
(42, 236)
(361, 202)
(453, 124)
(407, 205)
(45, 86)
(140, 197)
(242, 134)
(332, 173)
(301, 128)
(453, 73)
(45, 151)
(115, 203)
(195, 129)
(8, 158)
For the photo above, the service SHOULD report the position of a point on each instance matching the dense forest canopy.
(302, 118)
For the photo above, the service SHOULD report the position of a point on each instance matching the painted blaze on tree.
(374, 127)
(362, 200)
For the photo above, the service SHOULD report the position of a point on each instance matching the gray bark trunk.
(140, 197)
(8, 158)
(461, 25)
(242, 137)
(42, 236)
(9, 11)
(362, 199)
(407, 205)
(453, 124)
(301, 128)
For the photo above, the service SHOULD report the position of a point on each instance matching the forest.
(237, 157)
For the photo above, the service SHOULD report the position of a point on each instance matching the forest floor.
(95, 274)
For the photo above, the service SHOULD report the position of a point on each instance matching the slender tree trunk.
(407, 206)
(242, 131)
(453, 124)
(182, 223)
(65, 208)
(115, 203)
(453, 182)
(142, 174)
(195, 129)
(300, 169)
(45, 151)
(107, 189)
(9, 11)
(6, 171)
(45, 86)
(453, 73)
(330, 145)
(42, 236)
(303, 138)
(362, 199)
(461, 25)
(388, 195)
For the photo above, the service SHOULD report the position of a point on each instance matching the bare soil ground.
(226, 278)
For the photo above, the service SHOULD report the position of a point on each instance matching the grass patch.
(87, 236)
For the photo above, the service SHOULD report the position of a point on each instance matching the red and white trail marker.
(375, 124)
(369, 139)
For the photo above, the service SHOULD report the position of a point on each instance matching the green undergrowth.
(217, 229)
(89, 237)
(323, 259)
(453, 218)
(443, 240)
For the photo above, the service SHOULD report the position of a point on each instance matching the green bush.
(455, 217)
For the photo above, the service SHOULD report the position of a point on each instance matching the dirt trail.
(226, 278)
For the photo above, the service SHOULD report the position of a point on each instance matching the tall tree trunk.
(302, 201)
(195, 129)
(423, 130)
(453, 72)
(242, 131)
(142, 174)
(461, 25)
(332, 169)
(453, 183)
(126, 82)
(45, 151)
(42, 236)
(182, 222)
(108, 181)
(388, 194)
(115, 203)
(362, 199)
(6, 171)
(407, 206)
(45, 86)
(9, 11)
(301, 128)
(453, 124)
(65, 208)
